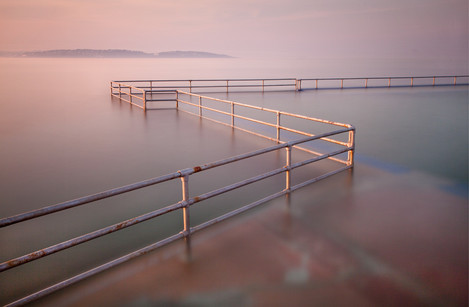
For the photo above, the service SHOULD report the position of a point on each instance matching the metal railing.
(364, 82)
(345, 148)
(142, 91)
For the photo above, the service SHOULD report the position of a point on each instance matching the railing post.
(288, 171)
(316, 83)
(232, 114)
(200, 106)
(262, 86)
(342, 83)
(351, 143)
(190, 86)
(227, 86)
(454, 80)
(412, 81)
(151, 89)
(389, 82)
(298, 85)
(433, 81)
(186, 216)
(177, 100)
(144, 100)
(366, 83)
(130, 94)
(278, 127)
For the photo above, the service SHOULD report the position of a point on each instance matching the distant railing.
(142, 91)
(345, 148)
(364, 82)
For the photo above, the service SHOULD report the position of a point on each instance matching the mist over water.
(62, 137)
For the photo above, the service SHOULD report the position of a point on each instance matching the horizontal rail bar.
(87, 237)
(206, 80)
(109, 193)
(238, 211)
(96, 270)
(322, 157)
(269, 124)
(381, 78)
(267, 109)
(217, 86)
(308, 182)
(229, 114)
(237, 185)
(169, 99)
(86, 199)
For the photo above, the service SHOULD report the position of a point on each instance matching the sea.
(62, 136)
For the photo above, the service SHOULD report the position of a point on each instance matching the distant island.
(110, 53)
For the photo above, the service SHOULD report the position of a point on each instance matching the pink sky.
(299, 28)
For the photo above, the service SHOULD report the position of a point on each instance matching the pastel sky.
(335, 28)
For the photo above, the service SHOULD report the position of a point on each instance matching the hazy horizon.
(241, 28)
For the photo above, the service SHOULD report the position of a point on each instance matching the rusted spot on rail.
(197, 169)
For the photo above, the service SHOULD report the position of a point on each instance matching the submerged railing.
(340, 141)
(139, 92)
(366, 82)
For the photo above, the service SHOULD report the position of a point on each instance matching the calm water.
(63, 137)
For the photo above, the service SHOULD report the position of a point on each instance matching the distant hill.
(110, 53)
(191, 54)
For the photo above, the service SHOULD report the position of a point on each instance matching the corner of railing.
(298, 85)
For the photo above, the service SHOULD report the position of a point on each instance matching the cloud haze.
(299, 28)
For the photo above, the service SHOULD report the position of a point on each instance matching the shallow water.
(63, 137)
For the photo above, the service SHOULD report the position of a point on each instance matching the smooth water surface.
(62, 137)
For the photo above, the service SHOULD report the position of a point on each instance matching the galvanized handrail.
(278, 125)
(186, 201)
(388, 78)
(152, 86)
(182, 204)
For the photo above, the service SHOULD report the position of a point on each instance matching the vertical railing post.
(227, 86)
(366, 83)
(433, 81)
(389, 82)
(351, 144)
(151, 89)
(120, 92)
(130, 94)
(455, 80)
(262, 86)
(232, 114)
(342, 83)
(200, 106)
(298, 85)
(144, 100)
(278, 127)
(316, 83)
(190, 86)
(186, 215)
(288, 171)
(177, 100)
(412, 81)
